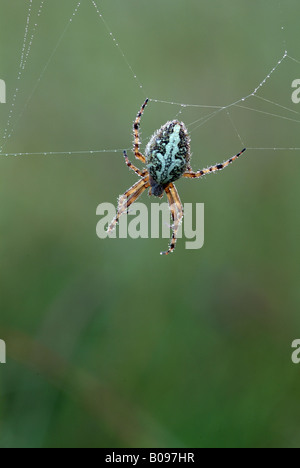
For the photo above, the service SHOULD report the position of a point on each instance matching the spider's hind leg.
(125, 200)
(176, 212)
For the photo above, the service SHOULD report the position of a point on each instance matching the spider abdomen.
(168, 153)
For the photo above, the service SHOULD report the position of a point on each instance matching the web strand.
(214, 110)
(27, 25)
(113, 37)
(6, 136)
(235, 128)
(25, 52)
(268, 113)
(293, 59)
(278, 105)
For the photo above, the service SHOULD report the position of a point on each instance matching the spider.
(167, 158)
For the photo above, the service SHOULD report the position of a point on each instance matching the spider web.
(258, 101)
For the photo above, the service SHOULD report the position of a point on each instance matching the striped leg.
(136, 127)
(133, 167)
(176, 212)
(211, 169)
(129, 197)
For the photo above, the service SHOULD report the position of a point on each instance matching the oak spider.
(167, 158)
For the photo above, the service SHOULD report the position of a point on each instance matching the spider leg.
(129, 197)
(136, 127)
(176, 212)
(190, 174)
(133, 167)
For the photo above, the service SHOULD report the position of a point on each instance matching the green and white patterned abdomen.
(168, 153)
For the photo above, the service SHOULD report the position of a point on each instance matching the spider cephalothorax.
(167, 158)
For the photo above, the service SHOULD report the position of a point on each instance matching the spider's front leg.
(136, 127)
(176, 212)
(218, 167)
(133, 167)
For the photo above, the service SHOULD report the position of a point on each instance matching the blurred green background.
(108, 343)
